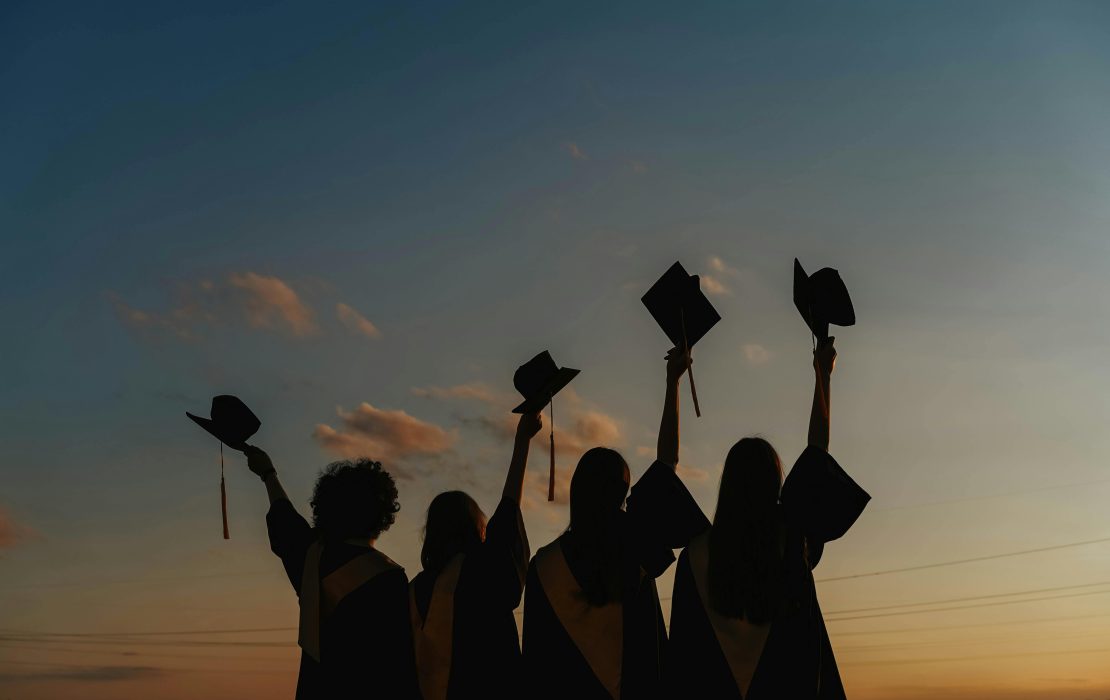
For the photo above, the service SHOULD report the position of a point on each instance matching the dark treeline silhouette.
(745, 620)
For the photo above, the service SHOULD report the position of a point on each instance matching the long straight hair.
(597, 492)
(455, 523)
(746, 540)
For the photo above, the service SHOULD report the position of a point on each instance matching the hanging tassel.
(689, 367)
(551, 474)
(223, 493)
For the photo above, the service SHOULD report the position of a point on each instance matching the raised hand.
(678, 361)
(824, 357)
(258, 461)
(529, 425)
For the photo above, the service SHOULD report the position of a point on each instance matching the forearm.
(819, 414)
(274, 489)
(514, 480)
(667, 446)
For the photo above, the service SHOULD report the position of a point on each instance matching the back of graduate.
(462, 603)
(593, 627)
(745, 621)
(354, 630)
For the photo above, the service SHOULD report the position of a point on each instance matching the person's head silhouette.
(455, 523)
(597, 492)
(354, 500)
(745, 547)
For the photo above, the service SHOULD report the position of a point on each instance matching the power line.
(1004, 623)
(967, 598)
(967, 607)
(950, 659)
(964, 561)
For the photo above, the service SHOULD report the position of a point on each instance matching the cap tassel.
(223, 493)
(551, 473)
(689, 366)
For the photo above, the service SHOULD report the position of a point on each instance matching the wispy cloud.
(474, 391)
(389, 435)
(714, 283)
(755, 353)
(271, 303)
(265, 301)
(13, 533)
(575, 152)
(356, 322)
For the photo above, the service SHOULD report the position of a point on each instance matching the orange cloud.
(356, 322)
(390, 436)
(714, 286)
(271, 303)
(12, 533)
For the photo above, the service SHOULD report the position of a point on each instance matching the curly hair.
(354, 499)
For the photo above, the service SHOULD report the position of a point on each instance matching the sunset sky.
(361, 218)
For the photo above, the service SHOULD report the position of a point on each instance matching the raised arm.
(824, 359)
(666, 449)
(526, 429)
(259, 463)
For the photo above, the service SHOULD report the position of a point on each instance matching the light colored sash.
(741, 641)
(321, 597)
(597, 631)
(433, 636)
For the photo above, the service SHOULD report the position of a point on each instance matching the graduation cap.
(682, 310)
(232, 423)
(538, 380)
(822, 299)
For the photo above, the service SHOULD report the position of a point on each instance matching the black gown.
(366, 642)
(819, 503)
(661, 516)
(485, 644)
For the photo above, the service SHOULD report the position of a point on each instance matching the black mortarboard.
(822, 299)
(232, 423)
(538, 380)
(678, 305)
(675, 301)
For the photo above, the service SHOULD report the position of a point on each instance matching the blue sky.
(187, 195)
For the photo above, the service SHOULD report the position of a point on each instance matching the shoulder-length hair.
(745, 577)
(455, 523)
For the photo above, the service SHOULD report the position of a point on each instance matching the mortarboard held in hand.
(682, 310)
(232, 423)
(538, 380)
(822, 299)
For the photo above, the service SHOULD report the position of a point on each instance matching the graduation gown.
(365, 642)
(463, 622)
(819, 503)
(615, 652)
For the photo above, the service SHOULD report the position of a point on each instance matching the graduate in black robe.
(467, 644)
(745, 621)
(593, 627)
(355, 637)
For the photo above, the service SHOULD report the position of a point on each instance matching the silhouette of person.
(355, 636)
(745, 621)
(462, 603)
(593, 627)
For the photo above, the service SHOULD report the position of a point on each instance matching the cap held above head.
(822, 299)
(538, 380)
(681, 309)
(231, 422)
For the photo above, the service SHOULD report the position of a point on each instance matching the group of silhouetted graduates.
(745, 621)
